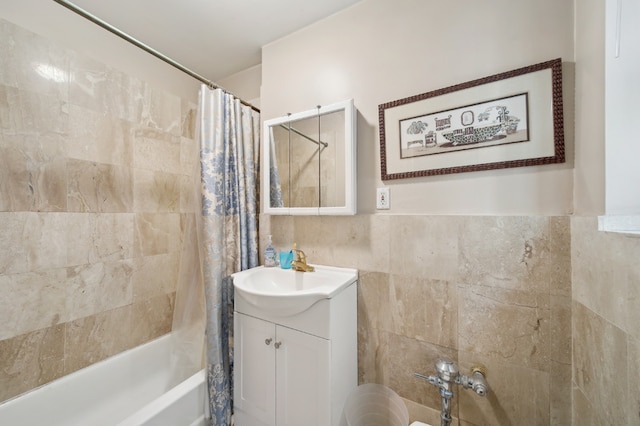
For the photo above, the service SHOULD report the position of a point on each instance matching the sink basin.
(287, 292)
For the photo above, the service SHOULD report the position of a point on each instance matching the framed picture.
(512, 119)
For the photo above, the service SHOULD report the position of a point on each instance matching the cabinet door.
(254, 364)
(302, 379)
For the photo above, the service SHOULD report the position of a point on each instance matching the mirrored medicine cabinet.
(311, 159)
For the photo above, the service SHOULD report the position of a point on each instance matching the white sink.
(287, 292)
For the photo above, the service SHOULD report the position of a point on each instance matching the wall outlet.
(383, 202)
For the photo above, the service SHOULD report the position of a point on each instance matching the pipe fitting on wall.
(448, 375)
(477, 381)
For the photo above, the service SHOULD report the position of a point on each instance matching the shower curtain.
(229, 135)
(275, 188)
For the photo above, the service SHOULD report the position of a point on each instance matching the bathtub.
(128, 389)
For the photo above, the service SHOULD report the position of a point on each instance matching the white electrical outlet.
(383, 202)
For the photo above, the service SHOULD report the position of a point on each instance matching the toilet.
(376, 405)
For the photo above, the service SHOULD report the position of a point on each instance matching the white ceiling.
(214, 38)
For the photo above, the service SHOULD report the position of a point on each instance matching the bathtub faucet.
(448, 375)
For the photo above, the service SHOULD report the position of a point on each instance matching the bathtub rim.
(56, 396)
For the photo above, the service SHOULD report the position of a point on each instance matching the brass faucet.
(300, 262)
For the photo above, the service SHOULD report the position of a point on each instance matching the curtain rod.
(309, 138)
(146, 48)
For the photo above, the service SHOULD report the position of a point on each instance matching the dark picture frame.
(511, 119)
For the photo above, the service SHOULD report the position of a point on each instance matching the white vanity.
(295, 345)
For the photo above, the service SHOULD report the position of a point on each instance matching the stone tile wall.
(95, 167)
(490, 290)
(606, 325)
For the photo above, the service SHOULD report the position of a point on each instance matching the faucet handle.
(298, 254)
(431, 379)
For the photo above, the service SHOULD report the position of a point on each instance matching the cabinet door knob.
(268, 341)
(277, 344)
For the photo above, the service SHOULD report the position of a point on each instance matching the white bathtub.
(128, 389)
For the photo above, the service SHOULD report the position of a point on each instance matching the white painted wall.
(380, 50)
(245, 84)
(589, 182)
(622, 67)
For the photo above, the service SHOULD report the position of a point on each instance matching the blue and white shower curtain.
(229, 135)
(275, 188)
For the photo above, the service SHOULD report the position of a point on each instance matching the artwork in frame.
(512, 119)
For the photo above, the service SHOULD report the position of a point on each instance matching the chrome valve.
(448, 375)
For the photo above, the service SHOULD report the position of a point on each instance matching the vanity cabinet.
(282, 374)
(295, 370)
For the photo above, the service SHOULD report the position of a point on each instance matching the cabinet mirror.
(311, 158)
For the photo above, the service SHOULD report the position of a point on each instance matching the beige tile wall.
(490, 290)
(95, 168)
(606, 325)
